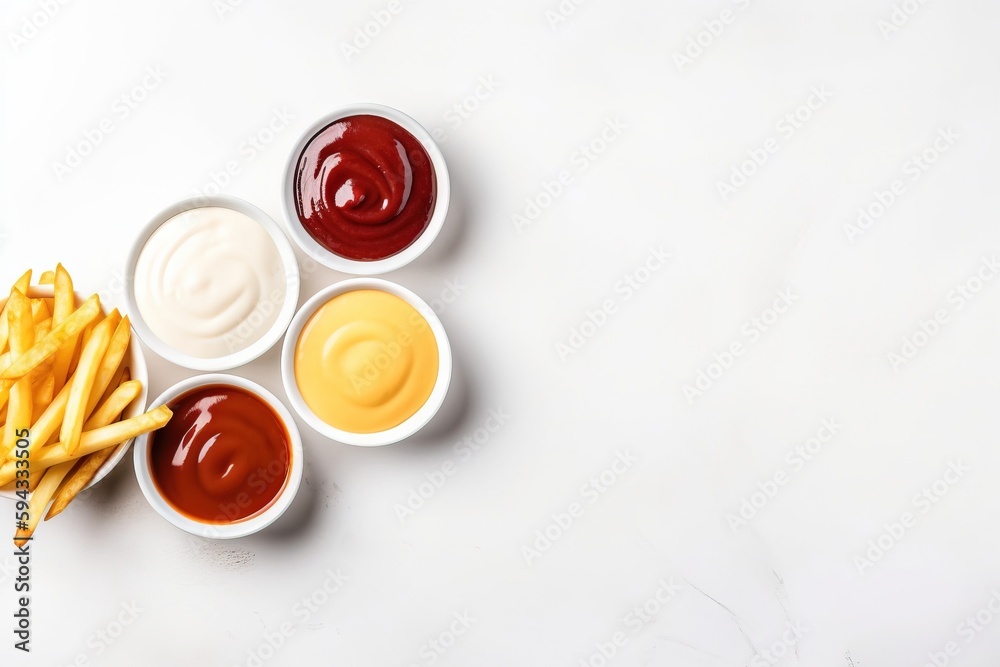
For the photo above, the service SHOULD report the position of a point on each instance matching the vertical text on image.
(22, 551)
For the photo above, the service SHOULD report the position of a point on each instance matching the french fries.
(21, 286)
(46, 347)
(21, 337)
(87, 468)
(40, 497)
(63, 302)
(94, 441)
(110, 363)
(83, 382)
(41, 393)
(63, 389)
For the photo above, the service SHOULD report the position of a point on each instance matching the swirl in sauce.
(365, 188)
(366, 361)
(209, 282)
(222, 457)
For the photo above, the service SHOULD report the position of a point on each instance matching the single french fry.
(4, 364)
(20, 323)
(48, 422)
(47, 278)
(43, 328)
(88, 466)
(46, 347)
(63, 359)
(110, 410)
(42, 394)
(21, 285)
(83, 382)
(39, 311)
(5, 386)
(93, 441)
(109, 363)
(78, 342)
(82, 337)
(34, 480)
(64, 302)
(40, 498)
(21, 332)
(121, 375)
(62, 293)
(72, 485)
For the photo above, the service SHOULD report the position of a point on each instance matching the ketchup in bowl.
(223, 456)
(364, 188)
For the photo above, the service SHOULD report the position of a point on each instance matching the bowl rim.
(256, 348)
(136, 362)
(412, 424)
(235, 529)
(374, 267)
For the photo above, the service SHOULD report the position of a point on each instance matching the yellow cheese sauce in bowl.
(366, 362)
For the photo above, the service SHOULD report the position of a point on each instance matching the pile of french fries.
(64, 383)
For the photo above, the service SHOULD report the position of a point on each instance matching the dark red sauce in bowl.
(364, 188)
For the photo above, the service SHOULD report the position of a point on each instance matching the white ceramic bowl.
(420, 418)
(329, 259)
(235, 529)
(136, 363)
(259, 346)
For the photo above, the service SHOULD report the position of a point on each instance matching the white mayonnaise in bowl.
(211, 283)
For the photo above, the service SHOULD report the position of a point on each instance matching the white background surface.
(667, 516)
